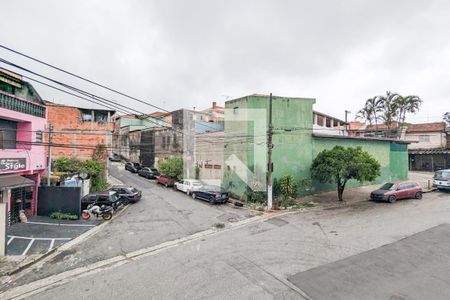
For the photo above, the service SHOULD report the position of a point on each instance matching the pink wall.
(34, 154)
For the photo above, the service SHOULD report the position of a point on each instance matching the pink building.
(23, 119)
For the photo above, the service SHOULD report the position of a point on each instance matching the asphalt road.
(255, 261)
(162, 214)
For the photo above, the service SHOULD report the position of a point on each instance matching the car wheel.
(193, 196)
(125, 201)
(392, 199)
(418, 195)
(166, 185)
(187, 192)
(211, 200)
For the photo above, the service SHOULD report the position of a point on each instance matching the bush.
(98, 185)
(63, 216)
(171, 168)
(288, 188)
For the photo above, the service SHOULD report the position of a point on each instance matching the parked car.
(166, 180)
(441, 180)
(115, 157)
(149, 173)
(131, 194)
(133, 167)
(188, 185)
(213, 194)
(108, 198)
(392, 191)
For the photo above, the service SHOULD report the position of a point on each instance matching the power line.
(82, 78)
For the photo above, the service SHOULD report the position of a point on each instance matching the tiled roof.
(429, 151)
(427, 127)
(157, 114)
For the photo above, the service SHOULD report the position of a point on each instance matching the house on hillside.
(23, 121)
(178, 136)
(431, 151)
(127, 133)
(295, 141)
(77, 131)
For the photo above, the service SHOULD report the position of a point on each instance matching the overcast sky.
(189, 53)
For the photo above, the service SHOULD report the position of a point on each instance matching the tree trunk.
(341, 187)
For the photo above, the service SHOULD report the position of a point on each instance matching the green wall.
(294, 145)
(394, 166)
(292, 123)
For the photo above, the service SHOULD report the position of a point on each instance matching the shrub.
(171, 168)
(63, 216)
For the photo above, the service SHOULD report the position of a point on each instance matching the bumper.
(442, 187)
(378, 197)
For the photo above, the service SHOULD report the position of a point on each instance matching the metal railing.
(22, 106)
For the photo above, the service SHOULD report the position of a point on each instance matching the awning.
(12, 181)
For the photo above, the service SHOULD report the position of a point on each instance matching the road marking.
(61, 224)
(28, 247)
(38, 239)
(11, 238)
(52, 243)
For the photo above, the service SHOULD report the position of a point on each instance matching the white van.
(441, 180)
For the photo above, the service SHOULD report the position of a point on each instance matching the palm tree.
(408, 104)
(375, 106)
(446, 118)
(389, 108)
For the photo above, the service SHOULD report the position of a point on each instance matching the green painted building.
(295, 142)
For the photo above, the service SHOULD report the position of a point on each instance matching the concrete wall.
(294, 145)
(437, 140)
(209, 156)
(393, 159)
(292, 139)
(34, 154)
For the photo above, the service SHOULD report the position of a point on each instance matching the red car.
(165, 180)
(392, 191)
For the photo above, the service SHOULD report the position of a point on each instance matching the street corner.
(41, 234)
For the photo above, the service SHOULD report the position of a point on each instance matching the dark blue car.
(212, 194)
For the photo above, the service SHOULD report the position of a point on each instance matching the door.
(402, 191)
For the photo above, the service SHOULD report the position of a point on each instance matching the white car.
(188, 185)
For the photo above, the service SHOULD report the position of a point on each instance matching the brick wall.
(77, 137)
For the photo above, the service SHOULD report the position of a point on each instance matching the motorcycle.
(104, 211)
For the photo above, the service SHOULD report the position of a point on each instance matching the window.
(424, 138)
(39, 136)
(86, 116)
(236, 110)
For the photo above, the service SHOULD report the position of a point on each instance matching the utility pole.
(49, 159)
(346, 114)
(269, 146)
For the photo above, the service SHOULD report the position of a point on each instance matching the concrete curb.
(27, 290)
(84, 236)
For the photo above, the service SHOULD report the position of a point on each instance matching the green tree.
(172, 167)
(340, 164)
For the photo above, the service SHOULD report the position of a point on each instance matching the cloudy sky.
(189, 53)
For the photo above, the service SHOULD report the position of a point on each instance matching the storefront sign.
(13, 164)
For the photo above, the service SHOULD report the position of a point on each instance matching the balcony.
(20, 105)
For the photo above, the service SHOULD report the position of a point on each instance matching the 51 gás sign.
(12, 164)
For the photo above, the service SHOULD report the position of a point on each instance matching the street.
(252, 261)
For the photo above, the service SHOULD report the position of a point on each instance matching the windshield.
(114, 197)
(388, 186)
(133, 190)
(154, 170)
(442, 175)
